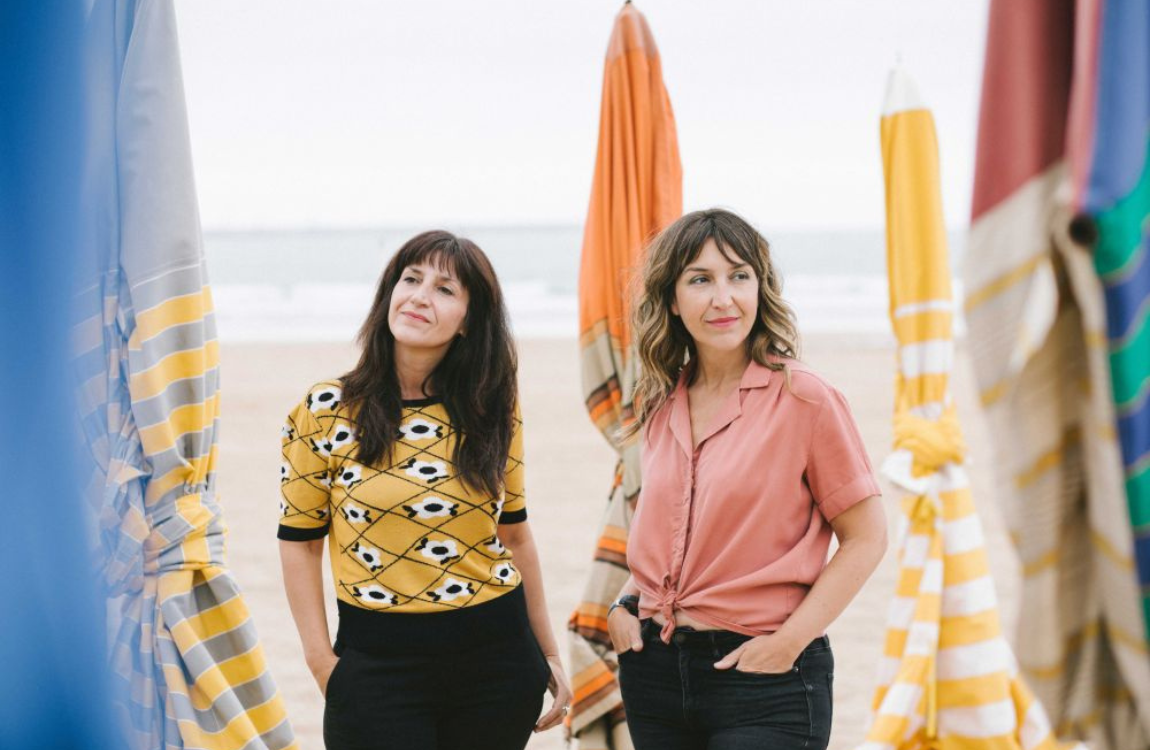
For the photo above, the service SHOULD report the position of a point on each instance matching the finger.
(730, 659)
(551, 718)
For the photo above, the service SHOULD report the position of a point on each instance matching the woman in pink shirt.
(751, 461)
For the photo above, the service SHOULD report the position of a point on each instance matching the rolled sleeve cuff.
(854, 491)
(296, 534)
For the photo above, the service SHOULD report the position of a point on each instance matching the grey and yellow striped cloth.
(188, 668)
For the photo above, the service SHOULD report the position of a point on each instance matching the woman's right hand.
(321, 668)
(625, 631)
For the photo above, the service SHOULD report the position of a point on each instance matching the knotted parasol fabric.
(948, 678)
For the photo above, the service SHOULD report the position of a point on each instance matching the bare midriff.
(683, 620)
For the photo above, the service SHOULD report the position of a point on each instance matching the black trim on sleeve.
(293, 534)
(513, 516)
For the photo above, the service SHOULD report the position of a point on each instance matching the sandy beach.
(569, 469)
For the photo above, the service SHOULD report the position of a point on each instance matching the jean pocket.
(335, 679)
(766, 675)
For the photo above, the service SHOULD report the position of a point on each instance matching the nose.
(721, 298)
(420, 295)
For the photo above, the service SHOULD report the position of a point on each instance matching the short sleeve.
(838, 471)
(305, 481)
(514, 500)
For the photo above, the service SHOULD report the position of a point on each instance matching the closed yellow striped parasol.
(948, 678)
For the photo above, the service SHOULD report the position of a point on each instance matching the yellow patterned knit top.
(408, 536)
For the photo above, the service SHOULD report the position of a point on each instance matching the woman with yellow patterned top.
(412, 466)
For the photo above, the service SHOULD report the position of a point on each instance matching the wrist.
(790, 640)
(318, 655)
(628, 602)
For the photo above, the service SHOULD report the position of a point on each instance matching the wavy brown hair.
(664, 345)
(476, 378)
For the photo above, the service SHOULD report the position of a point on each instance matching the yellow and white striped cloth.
(948, 679)
(188, 669)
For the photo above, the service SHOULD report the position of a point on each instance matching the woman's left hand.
(765, 654)
(560, 689)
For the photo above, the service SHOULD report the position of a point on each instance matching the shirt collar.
(755, 376)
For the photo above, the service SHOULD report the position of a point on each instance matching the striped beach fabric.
(948, 678)
(636, 191)
(188, 668)
(1110, 158)
(1037, 323)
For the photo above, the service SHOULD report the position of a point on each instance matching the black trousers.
(675, 699)
(482, 688)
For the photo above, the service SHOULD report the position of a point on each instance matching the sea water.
(317, 285)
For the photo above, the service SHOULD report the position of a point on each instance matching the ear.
(675, 308)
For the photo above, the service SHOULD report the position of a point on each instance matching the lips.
(416, 316)
(722, 322)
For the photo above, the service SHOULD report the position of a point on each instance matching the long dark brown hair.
(663, 343)
(476, 378)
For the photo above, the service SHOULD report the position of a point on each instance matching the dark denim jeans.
(676, 700)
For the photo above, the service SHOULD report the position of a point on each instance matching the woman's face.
(717, 299)
(428, 307)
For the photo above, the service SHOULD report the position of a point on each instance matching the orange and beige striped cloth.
(948, 678)
(188, 669)
(1036, 323)
(637, 190)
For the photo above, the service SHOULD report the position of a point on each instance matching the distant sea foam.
(315, 286)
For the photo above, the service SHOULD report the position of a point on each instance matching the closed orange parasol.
(637, 190)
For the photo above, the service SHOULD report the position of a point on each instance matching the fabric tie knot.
(932, 442)
(666, 607)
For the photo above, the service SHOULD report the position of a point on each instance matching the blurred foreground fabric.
(1046, 336)
(188, 669)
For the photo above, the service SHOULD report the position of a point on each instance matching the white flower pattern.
(428, 471)
(355, 514)
(324, 399)
(451, 590)
(374, 595)
(420, 429)
(431, 507)
(441, 551)
(369, 556)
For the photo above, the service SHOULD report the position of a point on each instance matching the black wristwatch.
(629, 602)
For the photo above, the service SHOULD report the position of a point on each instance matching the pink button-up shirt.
(734, 533)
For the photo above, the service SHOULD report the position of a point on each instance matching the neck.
(716, 370)
(413, 367)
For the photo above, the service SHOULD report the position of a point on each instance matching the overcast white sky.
(365, 113)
